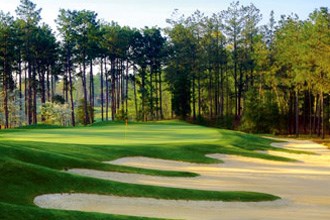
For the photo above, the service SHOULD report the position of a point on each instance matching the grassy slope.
(31, 161)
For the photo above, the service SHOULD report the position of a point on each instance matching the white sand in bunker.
(303, 187)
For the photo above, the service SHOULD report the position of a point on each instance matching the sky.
(141, 13)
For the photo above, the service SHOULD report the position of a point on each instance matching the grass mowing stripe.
(61, 161)
(33, 167)
(37, 180)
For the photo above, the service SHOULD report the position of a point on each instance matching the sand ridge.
(303, 186)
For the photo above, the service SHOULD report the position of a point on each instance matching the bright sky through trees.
(140, 13)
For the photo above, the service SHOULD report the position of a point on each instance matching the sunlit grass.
(118, 133)
(32, 161)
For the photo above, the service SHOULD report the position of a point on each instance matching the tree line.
(225, 70)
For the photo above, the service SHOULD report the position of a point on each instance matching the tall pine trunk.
(322, 115)
(113, 90)
(29, 95)
(85, 93)
(5, 91)
(43, 91)
(151, 102)
(135, 97)
(156, 94)
(193, 95)
(34, 91)
(143, 91)
(199, 93)
(73, 121)
(161, 96)
(101, 95)
(26, 104)
(297, 112)
(91, 92)
(48, 85)
(222, 96)
(126, 90)
(20, 87)
(106, 90)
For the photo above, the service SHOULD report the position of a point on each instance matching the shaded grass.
(64, 156)
(31, 168)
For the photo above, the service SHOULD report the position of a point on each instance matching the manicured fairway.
(32, 161)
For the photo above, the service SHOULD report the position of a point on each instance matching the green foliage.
(204, 67)
(81, 114)
(58, 99)
(261, 114)
(121, 115)
(16, 114)
(179, 70)
(28, 12)
(56, 113)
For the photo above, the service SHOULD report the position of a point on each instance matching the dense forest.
(224, 70)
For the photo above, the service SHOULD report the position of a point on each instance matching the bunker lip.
(147, 207)
(303, 187)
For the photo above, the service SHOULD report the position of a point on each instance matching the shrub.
(58, 99)
(81, 114)
(56, 113)
(261, 113)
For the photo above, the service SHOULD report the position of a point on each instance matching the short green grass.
(32, 160)
(119, 134)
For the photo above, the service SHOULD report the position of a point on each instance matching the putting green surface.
(32, 161)
(119, 133)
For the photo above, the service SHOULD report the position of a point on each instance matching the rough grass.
(32, 160)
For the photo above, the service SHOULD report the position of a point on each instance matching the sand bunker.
(304, 187)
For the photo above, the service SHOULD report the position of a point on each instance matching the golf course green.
(32, 161)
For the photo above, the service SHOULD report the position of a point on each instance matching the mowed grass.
(32, 161)
(118, 134)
